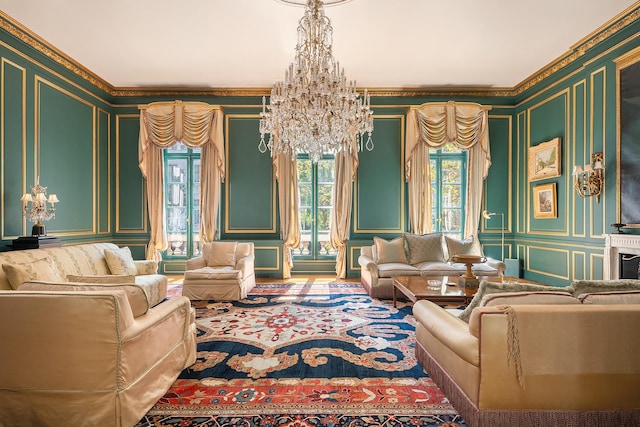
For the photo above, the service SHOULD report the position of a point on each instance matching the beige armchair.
(224, 272)
(72, 358)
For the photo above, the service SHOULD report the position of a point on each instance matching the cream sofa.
(413, 255)
(537, 358)
(86, 260)
(224, 272)
(81, 358)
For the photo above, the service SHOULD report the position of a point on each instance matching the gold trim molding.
(577, 51)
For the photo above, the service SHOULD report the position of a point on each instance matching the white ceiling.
(249, 43)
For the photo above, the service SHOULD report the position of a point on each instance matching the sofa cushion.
(468, 246)
(580, 287)
(135, 294)
(612, 297)
(154, 286)
(213, 273)
(436, 268)
(40, 269)
(120, 261)
(426, 247)
(390, 251)
(102, 278)
(486, 287)
(220, 254)
(396, 269)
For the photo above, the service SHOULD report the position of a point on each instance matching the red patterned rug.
(301, 354)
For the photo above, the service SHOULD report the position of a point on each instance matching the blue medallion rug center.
(288, 350)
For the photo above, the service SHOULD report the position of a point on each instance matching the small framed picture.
(544, 160)
(545, 201)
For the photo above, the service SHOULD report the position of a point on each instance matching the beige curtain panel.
(196, 124)
(346, 165)
(433, 125)
(286, 173)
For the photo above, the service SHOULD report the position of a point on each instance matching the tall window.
(315, 186)
(182, 200)
(448, 189)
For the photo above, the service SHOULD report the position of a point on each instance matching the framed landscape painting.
(544, 160)
(545, 201)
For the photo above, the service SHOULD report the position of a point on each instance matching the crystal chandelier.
(315, 110)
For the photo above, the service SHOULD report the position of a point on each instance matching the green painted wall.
(81, 138)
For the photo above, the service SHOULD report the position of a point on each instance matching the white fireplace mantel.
(615, 244)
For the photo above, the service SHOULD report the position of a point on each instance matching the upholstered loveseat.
(86, 262)
(551, 356)
(88, 358)
(418, 255)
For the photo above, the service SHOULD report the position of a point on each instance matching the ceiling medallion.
(315, 110)
(304, 2)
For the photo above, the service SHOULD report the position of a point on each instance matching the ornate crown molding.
(43, 47)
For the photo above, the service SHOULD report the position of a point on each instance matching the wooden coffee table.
(417, 288)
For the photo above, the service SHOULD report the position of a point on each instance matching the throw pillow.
(120, 261)
(390, 251)
(220, 254)
(427, 247)
(487, 287)
(580, 287)
(528, 298)
(40, 269)
(106, 278)
(612, 297)
(468, 246)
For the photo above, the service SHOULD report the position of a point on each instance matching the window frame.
(315, 254)
(191, 156)
(438, 156)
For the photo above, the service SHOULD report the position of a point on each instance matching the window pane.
(178, 147)
(450, 148)
(325, 170)
(451, 171)
(304, 170)
(451, 220)
(451, 196)
(304, 193)
(306, 219)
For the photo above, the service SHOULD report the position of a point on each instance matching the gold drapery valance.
(432, 125)
(196, 124)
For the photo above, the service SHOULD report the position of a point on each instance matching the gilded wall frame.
(545, 201)
(545, 160)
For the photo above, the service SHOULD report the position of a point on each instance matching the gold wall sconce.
(589, 181)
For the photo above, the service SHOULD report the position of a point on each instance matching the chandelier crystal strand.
(315, 110)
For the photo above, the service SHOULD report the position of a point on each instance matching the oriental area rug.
(304, 354)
